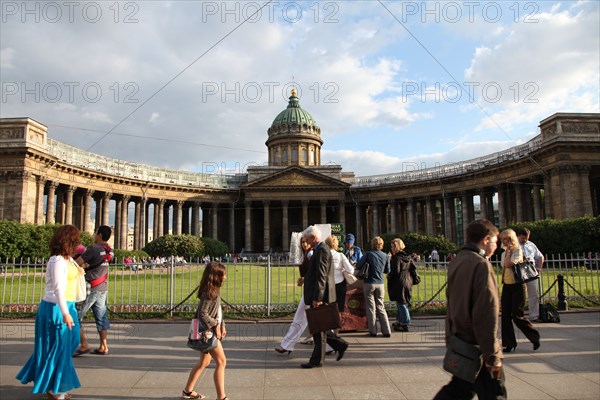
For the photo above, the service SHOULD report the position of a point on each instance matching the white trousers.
(297, 327)
(533, 298)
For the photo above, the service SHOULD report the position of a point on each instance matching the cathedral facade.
(554, 175)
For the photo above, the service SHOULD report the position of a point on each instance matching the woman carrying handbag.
(513, 296)
(210, 315)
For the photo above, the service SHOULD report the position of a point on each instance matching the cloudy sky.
(195, 85)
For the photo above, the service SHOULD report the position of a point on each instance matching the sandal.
(59, 396)
(192, 395)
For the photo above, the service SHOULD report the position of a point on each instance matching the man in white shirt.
(531, 253)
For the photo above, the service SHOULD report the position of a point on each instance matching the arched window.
(304, 155)
(294, 155)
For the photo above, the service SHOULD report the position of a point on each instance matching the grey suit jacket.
(319, 283)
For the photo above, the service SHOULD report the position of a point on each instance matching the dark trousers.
(322, 338)
(485, 387)
(513, 310)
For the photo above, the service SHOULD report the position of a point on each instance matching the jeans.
(96, 300)
(403, 316)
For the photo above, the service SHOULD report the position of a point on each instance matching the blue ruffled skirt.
(50, 367)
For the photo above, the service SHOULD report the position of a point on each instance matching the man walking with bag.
(472, 313)
(532, 253)
(319, 288)
(95, 261)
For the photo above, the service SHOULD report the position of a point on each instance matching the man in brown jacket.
(472, 312)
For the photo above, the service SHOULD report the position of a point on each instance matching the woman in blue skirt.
(50, 367)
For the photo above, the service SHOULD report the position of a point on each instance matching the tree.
(175, 245)
(214, 247)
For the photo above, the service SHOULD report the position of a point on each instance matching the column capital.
(266, 203)
(161, 202)
(126, 197)
(71, 189)
(52, 184)
(107, 195)
(89, 192)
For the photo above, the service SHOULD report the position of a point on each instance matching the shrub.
(214, 247)
(175, 245)
(421, 243)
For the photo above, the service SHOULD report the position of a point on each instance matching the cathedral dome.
(294, 137)
(294, 115)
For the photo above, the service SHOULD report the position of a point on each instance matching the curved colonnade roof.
(94, 162)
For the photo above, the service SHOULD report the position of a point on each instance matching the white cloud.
(541, 68)
(154, 118)
(7, 56)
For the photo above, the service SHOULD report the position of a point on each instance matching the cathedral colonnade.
(555, 175)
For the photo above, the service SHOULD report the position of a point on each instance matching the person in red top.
(95, 261)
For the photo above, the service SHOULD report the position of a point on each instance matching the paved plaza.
(149, 360)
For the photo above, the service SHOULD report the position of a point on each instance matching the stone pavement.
(149, 360)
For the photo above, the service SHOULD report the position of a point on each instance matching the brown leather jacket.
(473, 305)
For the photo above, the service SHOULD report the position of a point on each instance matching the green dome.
(294, 114)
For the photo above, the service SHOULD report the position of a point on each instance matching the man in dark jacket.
(319, 288)
(472, 313)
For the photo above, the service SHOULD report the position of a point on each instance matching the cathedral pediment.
(296, 177)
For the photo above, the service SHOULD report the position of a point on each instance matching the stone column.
(358, 233)
(537, 203)
(483, 205)
(39, 203)
(393, 217)
(304, 214)
(410, 215)
(143, 227)
(177, 217)
(214, 209)
(374, 220)
(548, 201)
(196, 219)
(105, 210)
(519, 202)
(125, 221)
(323, 211)
(466, 199)
(117, 226)
(161, 218)
(69, 205)
(501, 206)
(136, 225)
(429, 217)
(51, 205)
(285, 226)
(266, 226)
(342, 212)
(450, 218)
(586, 207)
(97, 212)
(87, 204)
(231, 226)
(248, 226)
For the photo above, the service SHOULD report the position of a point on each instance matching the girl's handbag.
(414, 275)
(200, 339)
(362, 272)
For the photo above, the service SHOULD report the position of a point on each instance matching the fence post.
(172, 285)
(268, 285)
(562, 300)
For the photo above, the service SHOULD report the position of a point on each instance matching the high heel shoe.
(281, 350)
(508, 349)
(536, 345)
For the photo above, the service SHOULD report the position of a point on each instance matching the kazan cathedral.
(554, 175)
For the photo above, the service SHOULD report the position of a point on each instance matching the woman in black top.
(400, 284)
(210, 314)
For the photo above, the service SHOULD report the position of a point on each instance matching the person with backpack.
(95, 261)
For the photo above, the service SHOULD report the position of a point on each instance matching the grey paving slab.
(149, 360)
